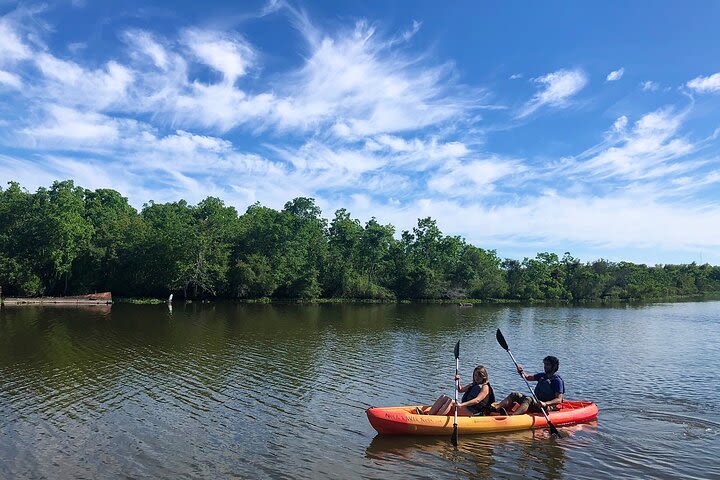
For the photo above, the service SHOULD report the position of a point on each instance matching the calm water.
(238, 391)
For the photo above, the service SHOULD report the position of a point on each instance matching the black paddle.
(454, 437)
(503, 344)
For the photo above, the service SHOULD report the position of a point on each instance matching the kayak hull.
(406, 421)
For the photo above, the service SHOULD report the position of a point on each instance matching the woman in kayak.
(476, 399)
(549, 390)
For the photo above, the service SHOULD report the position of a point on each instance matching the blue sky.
(523, 127)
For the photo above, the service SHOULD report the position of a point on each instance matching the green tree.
(480, 270)
(103, 265)
(305, 249)
(62, 231)
(340, 270)
(18, 255)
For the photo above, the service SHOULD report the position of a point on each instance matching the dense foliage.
(67, 240)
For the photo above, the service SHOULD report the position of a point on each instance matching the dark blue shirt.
(548, 386)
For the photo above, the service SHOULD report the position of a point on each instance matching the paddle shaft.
(552, 427)
(454, 436)
(457, 386)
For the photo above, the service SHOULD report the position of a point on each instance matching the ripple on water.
(280, 391)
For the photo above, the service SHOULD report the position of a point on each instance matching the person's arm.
(529, 378)
(459, 387)
(558, 399)
(484, 392)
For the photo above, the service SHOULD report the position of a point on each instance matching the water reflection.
(534, 453)
(223, 390)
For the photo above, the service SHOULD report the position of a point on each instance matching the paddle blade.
(556, 432)
(457, 349)
(501, 339)
(454, 437)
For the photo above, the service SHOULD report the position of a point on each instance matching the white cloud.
(352, 84)
(355, 82)
(544, 222)
(649, 85)
(431, 149)
(76, 47)
(417, 154)
(647, 151)
(218, 106)
(12, 48)
(228, 54)
(346, 164)
(69, 83)
(615, 75)
(710, 84)
(68, 128)
(620, 124)
(56, 69)
(145, 44)
(411, 33)
(10, 79)
(384, 164)
(474, 178)
(516, 76)
(558, 88)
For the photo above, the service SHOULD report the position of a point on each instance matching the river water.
(210, 391)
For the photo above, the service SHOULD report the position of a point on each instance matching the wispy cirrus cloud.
(352, 82)
(144, 44)
(648, 150)
(362, 88)
(556, 90)
(473, 178)
(649, 86)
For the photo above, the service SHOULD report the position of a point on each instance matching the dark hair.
(553, 361)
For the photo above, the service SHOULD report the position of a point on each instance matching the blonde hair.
(483, 374)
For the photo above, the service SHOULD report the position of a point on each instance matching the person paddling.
(549, 390)
(476, 398)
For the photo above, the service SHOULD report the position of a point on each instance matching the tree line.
(67, 240)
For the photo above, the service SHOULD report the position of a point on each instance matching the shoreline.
(465, 303)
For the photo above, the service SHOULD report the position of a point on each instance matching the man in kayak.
(549, 390)
(476, 398)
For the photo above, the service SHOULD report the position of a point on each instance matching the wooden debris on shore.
(104, 298)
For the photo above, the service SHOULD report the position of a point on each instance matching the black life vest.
(484, 406)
